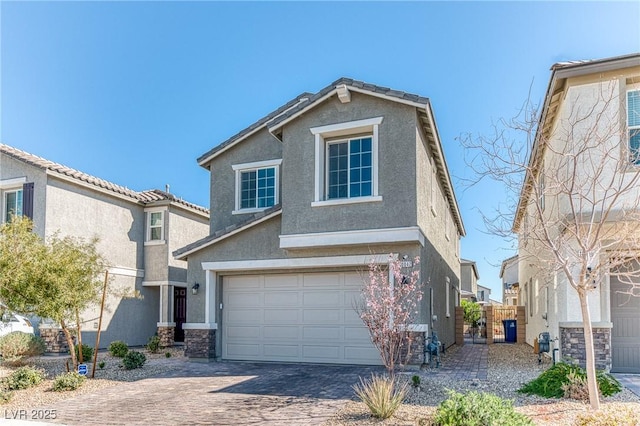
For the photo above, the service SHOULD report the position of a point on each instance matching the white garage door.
(297, 318)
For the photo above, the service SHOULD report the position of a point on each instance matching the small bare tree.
(388, 307)
(573, 197)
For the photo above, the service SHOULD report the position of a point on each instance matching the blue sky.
(134, 92)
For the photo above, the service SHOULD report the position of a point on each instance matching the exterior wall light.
(195, 288)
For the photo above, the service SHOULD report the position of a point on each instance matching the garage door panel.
(321, 298)
(244, 300)
(286, 316)
(244, 316)
(295, 317)
(625, 334)
(280, 281)
(321, 316)
(246, 332)
(321, 333)
(282, 351)
(243, 350)
(281, 332)
(281, 298)
(320, 280)
(321, 352)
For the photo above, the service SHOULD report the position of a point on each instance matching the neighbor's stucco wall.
(184, 227)
(11, 169)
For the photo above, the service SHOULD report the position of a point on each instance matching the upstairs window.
(346, 162)
(633, 125)
(12, 204)
(256, 186)
(349, 168)
(155, 226)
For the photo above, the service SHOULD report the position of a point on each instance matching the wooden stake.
(95, 351)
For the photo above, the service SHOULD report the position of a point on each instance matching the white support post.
(210, 297)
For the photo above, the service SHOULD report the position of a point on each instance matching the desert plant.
(416, 381)
(133, 359)
(478, 409)
(167, 354)
(576, 387)
(118, 348)
(87, 352)
(153, 344)
(68, 382)
(23, 378)
(14, 346)
(101, 365)
(5, 396)
(550, 383)
(383, 395)
(621, 416)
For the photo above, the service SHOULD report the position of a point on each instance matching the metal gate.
(476, 332)
(504, 324)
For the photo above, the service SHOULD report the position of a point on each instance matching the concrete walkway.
(470, 362)
(629, 381)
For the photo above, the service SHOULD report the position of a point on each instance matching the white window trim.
(433, 187)
(447, 226)
(321, 133)
(6, 192)
(148, 241)
(246, 167)
(631, 88)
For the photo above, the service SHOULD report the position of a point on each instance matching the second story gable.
(351, 158)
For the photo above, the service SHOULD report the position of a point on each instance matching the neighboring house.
(484, 295)
(552, 304)
(509, 277)
(137, 232)
(469, 277)
(302, 201)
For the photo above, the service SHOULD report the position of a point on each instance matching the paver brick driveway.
(223, 393)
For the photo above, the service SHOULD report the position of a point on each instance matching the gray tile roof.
(144, 197)
(254, 126)
(577, 63)
(229, 229)
(353, 83)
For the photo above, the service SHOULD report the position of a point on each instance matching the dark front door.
(179, 311)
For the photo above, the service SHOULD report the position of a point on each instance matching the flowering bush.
(388, 307)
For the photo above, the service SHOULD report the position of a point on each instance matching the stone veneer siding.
(572, 346)
(200, 343)
(166, 335)
(54, 340)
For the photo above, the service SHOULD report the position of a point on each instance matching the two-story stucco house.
(469, 277)
(137, 232)
(509, 277)
(302, 200)
(598, 103)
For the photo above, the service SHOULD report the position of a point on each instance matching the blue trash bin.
(510, 330)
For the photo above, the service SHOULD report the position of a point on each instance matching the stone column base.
(200, 343)
(572, 345)
(54, 340)
(166, 335)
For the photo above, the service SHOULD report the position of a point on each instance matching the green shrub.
(118, 348)
(550, 383)
(167, 354)
(133, 359)
(153, 344)
(621, 416)
(101, 365)
(14, 346)
(68, 382)
(5, 396)
(478, 409)
(576, 387)
(23, 378)
(416, 381)
(383, 395)
(87, 352)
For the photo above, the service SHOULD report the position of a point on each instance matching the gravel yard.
(510, 366)
(112, 374)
